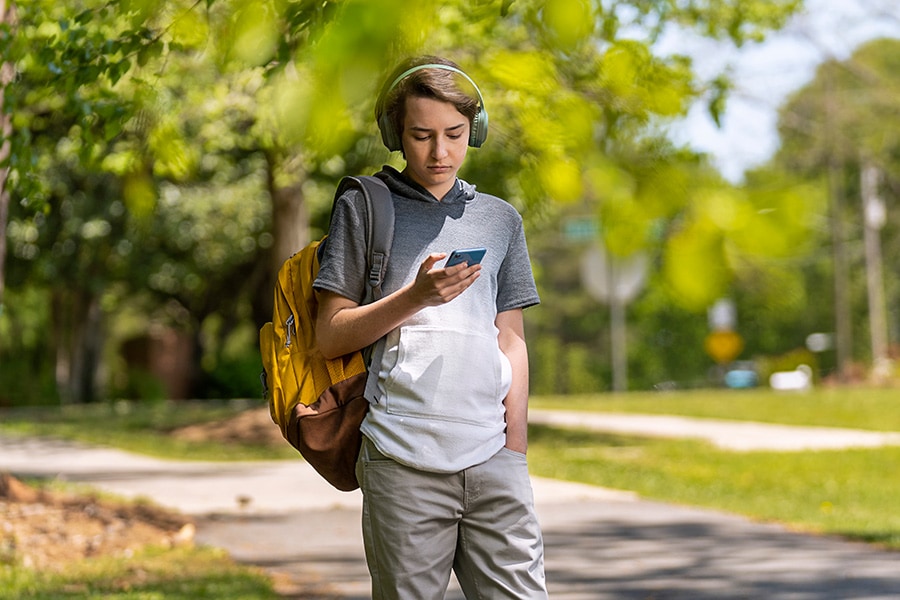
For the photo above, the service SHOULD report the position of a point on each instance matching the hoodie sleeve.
(343, 264)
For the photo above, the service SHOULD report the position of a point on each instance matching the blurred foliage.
(847, 116)
(845, 113)
(167, 154)
(26, 368)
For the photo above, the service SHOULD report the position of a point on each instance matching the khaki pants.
(480, 523)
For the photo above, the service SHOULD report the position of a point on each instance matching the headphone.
(391, 138)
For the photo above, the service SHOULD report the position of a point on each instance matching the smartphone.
(471, 256)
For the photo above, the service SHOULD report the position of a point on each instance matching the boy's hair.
(438, 84)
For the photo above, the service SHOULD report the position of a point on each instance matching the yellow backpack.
(319, 403)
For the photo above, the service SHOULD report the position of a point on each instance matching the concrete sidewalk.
(226, 488)
(729, 435)
(600, 544)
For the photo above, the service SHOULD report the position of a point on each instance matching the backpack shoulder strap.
(379, 237)
(379, 228)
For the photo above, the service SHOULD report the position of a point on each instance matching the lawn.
(179, 574)
(147, 428)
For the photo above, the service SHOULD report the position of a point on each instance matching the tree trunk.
(7, 15)
(78, 342)
(873, 220)
(843, 333)
(843, 311)
(290, 225)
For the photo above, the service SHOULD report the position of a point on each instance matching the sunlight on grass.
(179, 574)
(144, 429)
(837, 492)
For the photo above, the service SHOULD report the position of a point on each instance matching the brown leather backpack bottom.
(327, 432)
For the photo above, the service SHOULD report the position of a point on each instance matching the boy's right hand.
(436, 286)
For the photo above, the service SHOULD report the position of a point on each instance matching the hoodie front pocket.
(446, 374)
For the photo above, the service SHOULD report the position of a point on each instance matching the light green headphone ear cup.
(479, 131)
(389, 136)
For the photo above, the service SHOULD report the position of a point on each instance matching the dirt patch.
(42, 529)
(253, 426)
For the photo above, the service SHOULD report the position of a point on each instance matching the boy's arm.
(512, 344)
(343, 326)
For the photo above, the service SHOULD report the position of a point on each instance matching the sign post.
(615, 281)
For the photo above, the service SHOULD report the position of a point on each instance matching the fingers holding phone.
(463, 267)
(441, 284)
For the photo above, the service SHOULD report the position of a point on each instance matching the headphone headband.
(391, 138)
(412, 70)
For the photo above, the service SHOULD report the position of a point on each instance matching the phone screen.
(470, 256)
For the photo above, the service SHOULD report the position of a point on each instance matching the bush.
(234, 378)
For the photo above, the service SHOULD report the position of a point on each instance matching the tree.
(116, 87)
(50, 106)
(306, 42)
(835, 128)
(7, 22)
(93, 149)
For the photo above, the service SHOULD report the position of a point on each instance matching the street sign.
(607, 277)
(723, 346)
(580, 229)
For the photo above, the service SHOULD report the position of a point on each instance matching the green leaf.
(569, 22)
(84, 17)
(721, 87)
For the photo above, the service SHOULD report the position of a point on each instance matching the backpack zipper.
(288, 328)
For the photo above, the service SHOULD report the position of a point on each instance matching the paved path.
(600, 544)
(730, 435)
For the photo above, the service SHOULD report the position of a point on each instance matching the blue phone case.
(471, 256)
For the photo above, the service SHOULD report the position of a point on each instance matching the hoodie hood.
(402, 185)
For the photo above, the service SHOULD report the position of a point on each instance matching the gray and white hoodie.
(443, 377)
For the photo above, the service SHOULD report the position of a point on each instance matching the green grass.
(154, 574)
(143, 428)
(873, 409)
(851, 493)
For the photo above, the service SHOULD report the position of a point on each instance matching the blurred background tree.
(167, 155)
(841, 129)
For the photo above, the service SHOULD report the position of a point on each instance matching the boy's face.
(435, 140)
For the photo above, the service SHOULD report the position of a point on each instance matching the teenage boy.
(442, 467)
